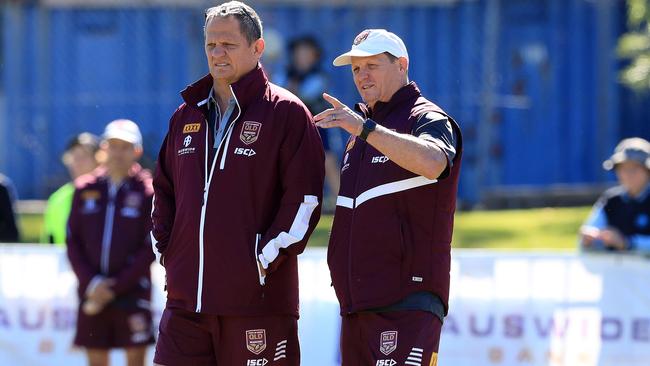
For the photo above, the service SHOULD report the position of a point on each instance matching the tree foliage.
(635, 45)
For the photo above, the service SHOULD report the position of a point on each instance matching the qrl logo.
(245, 152)
(389, 362)
(379, 159)
(260, 362)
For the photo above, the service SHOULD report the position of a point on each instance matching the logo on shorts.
(388, 342)
(256, 340)
(387, 362)
(258, 362)
(250, 131)
(191, 127)
(361, 37)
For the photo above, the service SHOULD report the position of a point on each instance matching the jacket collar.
(246, 89)
(383, 109)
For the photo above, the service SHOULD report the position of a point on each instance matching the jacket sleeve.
(130, 276)
(75, 247)
(302, 171)
(164, 205)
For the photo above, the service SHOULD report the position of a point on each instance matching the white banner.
(538, 309)
(532, 309)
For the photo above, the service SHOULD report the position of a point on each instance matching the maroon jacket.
(392, 229)
(258, 196)
(108, 232)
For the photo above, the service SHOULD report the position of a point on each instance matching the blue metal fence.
(533, 83)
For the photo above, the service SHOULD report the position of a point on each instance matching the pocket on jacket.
(378, 261)
(262, 279)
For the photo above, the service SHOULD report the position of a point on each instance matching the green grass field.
(546, 228)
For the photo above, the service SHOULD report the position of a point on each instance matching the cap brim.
(346, 58)
(621, 157)
(129, 139)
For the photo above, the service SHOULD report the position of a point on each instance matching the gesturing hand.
(339, 116)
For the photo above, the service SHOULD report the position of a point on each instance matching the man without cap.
(620, 219)
(110, 251)
(389, 252)
(238, 191)
(79, 158)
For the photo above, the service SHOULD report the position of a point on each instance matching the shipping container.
(533, 83)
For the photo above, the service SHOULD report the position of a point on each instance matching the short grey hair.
(250, 23)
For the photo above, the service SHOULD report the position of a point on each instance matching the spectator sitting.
(620, 220)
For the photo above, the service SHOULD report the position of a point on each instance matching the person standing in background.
(305, 78)
(109, 249)
(9, 232)
(79, 158)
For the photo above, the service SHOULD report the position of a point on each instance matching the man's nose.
(362, 74)
(218, 51)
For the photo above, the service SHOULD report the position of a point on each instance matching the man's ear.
(259, 47)
(403, 64)
(139, 152)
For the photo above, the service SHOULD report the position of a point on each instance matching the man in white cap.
(620, 220)
(109, 248)
(389, 252)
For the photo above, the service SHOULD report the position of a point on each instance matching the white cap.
(372, 42)
(125, 130)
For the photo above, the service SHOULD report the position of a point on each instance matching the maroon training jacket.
(258, 196)
(108, 232)
(392, 229)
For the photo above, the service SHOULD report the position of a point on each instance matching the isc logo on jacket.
(379, 159)
(245, 152)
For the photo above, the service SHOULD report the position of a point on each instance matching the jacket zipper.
(204, 203)
(108, 227)
(258, 237)
(229, 132)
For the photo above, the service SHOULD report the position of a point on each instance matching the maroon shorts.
(116, 326)
(196, 339)
(390, 338)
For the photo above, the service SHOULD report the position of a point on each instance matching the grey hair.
(250, 23)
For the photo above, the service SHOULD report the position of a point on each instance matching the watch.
(368, 126)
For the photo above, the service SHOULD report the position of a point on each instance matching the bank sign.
(506, 309)
(546, 309)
